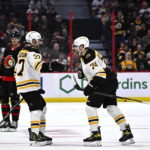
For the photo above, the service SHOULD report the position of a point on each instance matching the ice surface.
(67, 124)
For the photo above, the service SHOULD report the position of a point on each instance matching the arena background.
(114, 28)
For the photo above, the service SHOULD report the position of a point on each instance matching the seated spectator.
(146, 39)
(139, 58)
(128, 64)
(121, 54)
(120, 29)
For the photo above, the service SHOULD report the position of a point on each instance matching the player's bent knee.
(90, 109)
(111, 108)
(44, 110)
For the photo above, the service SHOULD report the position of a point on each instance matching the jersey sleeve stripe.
(103, 75)
(39, 66)
(36, 64)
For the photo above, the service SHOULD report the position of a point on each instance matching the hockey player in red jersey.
(100, 78)
(8, 83)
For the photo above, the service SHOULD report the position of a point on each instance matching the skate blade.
(5, 130)
(128, 142)
(12, 130)
(46, 143)
(93, 144)
(37, 144)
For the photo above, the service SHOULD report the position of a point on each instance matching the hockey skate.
(46, 140)
(5, 126)
(94, 139)
(38, 140)
(13, 126)
(127, 136)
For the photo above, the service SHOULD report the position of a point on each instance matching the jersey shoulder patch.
(89, 56)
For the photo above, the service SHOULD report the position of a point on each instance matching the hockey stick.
(76, 85)
(11, 111)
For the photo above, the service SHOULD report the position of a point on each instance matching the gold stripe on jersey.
(26, 81)
(101, 75)
(39, 66)
(98, 54)
(36, 63)
(28, 86)
(25, 51)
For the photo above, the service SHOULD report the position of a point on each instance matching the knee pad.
(91, 111)
(113, 110)
(36, 115)
(44, 110)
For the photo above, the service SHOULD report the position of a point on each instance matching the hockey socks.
(117, 115)
(92, 117)
(16, 113)
(5, 109)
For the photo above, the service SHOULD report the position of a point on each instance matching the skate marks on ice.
(67, 125)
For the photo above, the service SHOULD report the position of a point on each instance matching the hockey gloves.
(80, 74)
(56, 66)
(41, 91)
(95, 84)
(88, 90)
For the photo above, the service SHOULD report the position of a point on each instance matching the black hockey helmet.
(15, 34)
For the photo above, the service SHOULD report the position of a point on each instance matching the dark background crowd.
(132, 30)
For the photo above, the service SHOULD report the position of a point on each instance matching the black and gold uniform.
(101, 77)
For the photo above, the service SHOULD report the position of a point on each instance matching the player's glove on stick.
(80, 74)
(93, 85)
(56, 66)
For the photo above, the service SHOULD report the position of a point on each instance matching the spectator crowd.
(132, 31)
(45, 20)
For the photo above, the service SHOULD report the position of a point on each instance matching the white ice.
(67, 125)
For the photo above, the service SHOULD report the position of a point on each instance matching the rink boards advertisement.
(59, 86)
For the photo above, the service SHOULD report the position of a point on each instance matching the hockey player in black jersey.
(100, 78)
(8, 83)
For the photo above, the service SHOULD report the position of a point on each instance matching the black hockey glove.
(94, 84)
(56, 66)
(88, 90)
(80, 74)
(41, 91)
